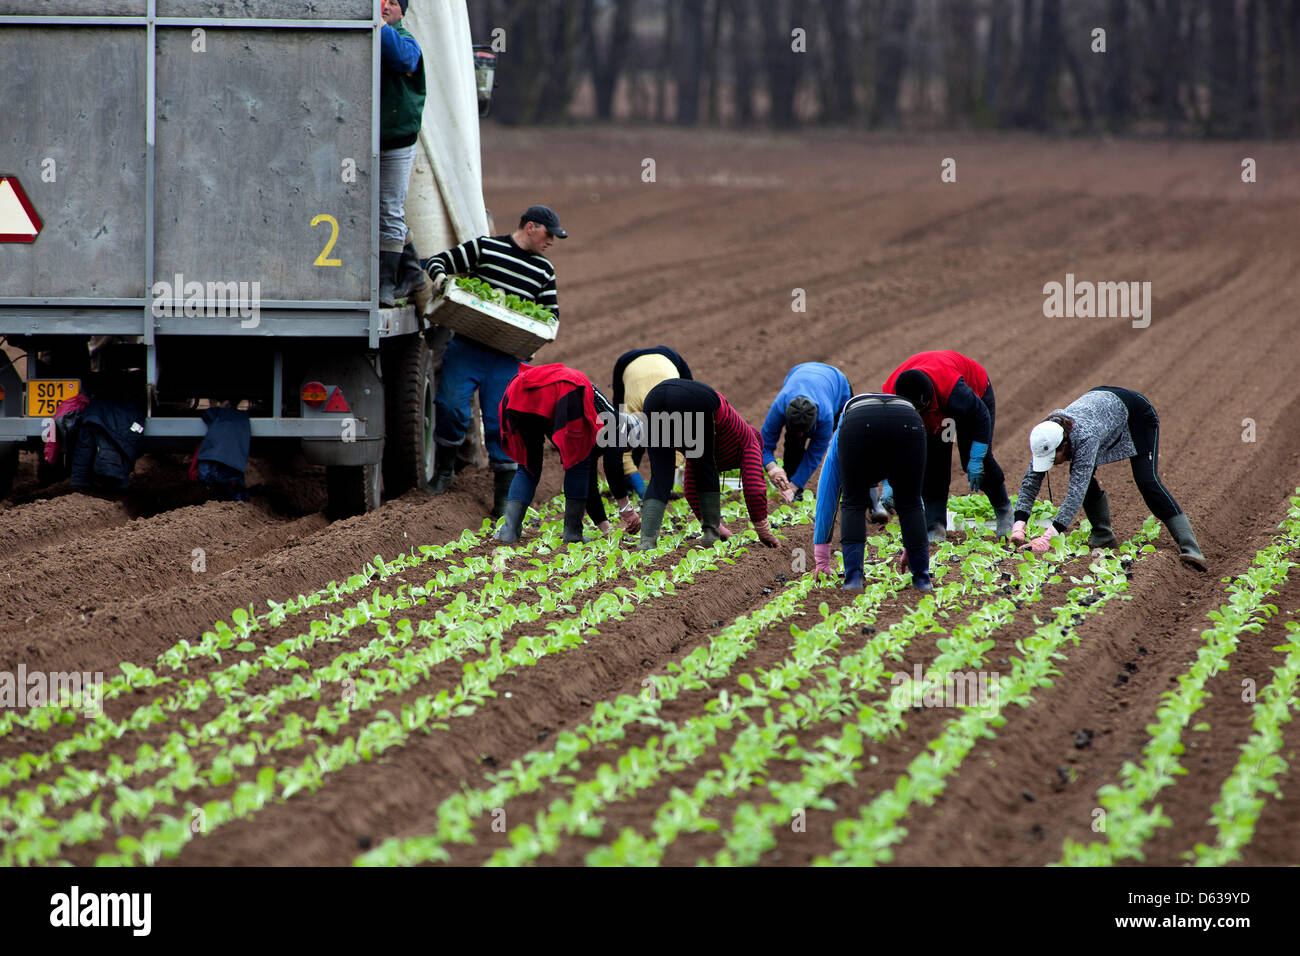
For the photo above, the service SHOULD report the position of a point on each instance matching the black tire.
(410, 385)
(8, 467)
(352, 490)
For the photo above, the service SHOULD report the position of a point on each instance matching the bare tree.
(781, 61)
(742, 58)
(995, 59)
(891, 58)
(1118, 58)
(1047, 66)
(607, 63)
(1224, 98)
(688, 65)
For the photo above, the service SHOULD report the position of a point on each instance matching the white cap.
(1043, 442)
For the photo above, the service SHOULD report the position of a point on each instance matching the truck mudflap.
(354, 402)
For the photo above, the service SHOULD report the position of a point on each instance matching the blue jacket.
(828, 494)
(827, 388)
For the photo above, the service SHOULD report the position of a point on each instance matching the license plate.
(44, 394)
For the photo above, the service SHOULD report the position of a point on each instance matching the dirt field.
(706, 259)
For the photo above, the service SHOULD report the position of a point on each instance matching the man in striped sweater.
(513, 263)
(688, 416)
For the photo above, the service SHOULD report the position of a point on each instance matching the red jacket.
(538, 390)
(944, 368)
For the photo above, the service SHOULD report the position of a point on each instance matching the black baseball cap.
(547, 217)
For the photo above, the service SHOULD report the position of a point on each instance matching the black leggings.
(879, 442)
(1144, 429)
(938, 464)
(684, 397)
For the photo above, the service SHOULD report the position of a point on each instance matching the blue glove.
(886, 495)
(975, 467)
(637, 483)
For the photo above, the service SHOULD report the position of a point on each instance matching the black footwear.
(511, 527)
(446, 466)
(652, 519)
(710, 517)
(1102, 535)
(936, 522)
(1006, 516)
(575, 509)
(878, 514)
(1181, 530)
(388, 263)
(501, 481)
(854, 553)
(413, 282)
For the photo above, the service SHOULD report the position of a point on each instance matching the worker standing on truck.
(880, 436)
(1103, 425)
(635, 373)
(952, 392)
(559, 403)
(401, 105)
(514, 264)
(808, 409)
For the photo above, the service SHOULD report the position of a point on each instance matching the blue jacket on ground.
(827, 388)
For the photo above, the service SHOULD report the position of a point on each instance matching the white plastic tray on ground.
(490, 324)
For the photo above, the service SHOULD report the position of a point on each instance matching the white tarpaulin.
(445, 206)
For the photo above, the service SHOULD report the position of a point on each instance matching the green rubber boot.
(1102, 536)
(652, 518)
(710, 517)
(1181, 529)
(575, 509)
(445, 469)
(512, 526)
(500, 490)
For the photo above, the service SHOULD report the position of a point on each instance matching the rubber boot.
(510, 528)
(936, 522)
(500, 491)
(853, 555)
(710, 517)
(878, 514)
(388, 264)
(412, 281)
(918, 562)
(575, 509)
(652, 518)
(1181, 530)
(1006, 517)
(1099, 516)
(446, 470)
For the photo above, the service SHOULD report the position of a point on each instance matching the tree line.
(1221, 68)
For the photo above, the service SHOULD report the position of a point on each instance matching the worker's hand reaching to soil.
(778, 476)
(765, 534)
(822, 557)
(630, 517)
(1043, 543)
(724, 532)
(1018, 533)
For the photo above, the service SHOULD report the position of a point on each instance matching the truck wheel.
(8, 467)
(352, 489)
(410, 385)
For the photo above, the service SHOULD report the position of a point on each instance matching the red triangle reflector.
(337, 402)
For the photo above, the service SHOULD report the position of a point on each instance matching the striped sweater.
(499, 262)
(736, 445)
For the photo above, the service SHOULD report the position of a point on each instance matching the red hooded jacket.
(944, 368)
(540, 390)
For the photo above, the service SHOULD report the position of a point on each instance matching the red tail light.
(314, 394)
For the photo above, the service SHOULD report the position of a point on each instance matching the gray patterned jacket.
(1100, 436)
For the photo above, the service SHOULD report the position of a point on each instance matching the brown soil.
(705, 259)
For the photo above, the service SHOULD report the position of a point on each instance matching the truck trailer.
(189, 195)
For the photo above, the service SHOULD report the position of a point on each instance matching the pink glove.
(1018, 533)
(1040, 545)
(788, 493)
(724, 532)
(822, 555)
